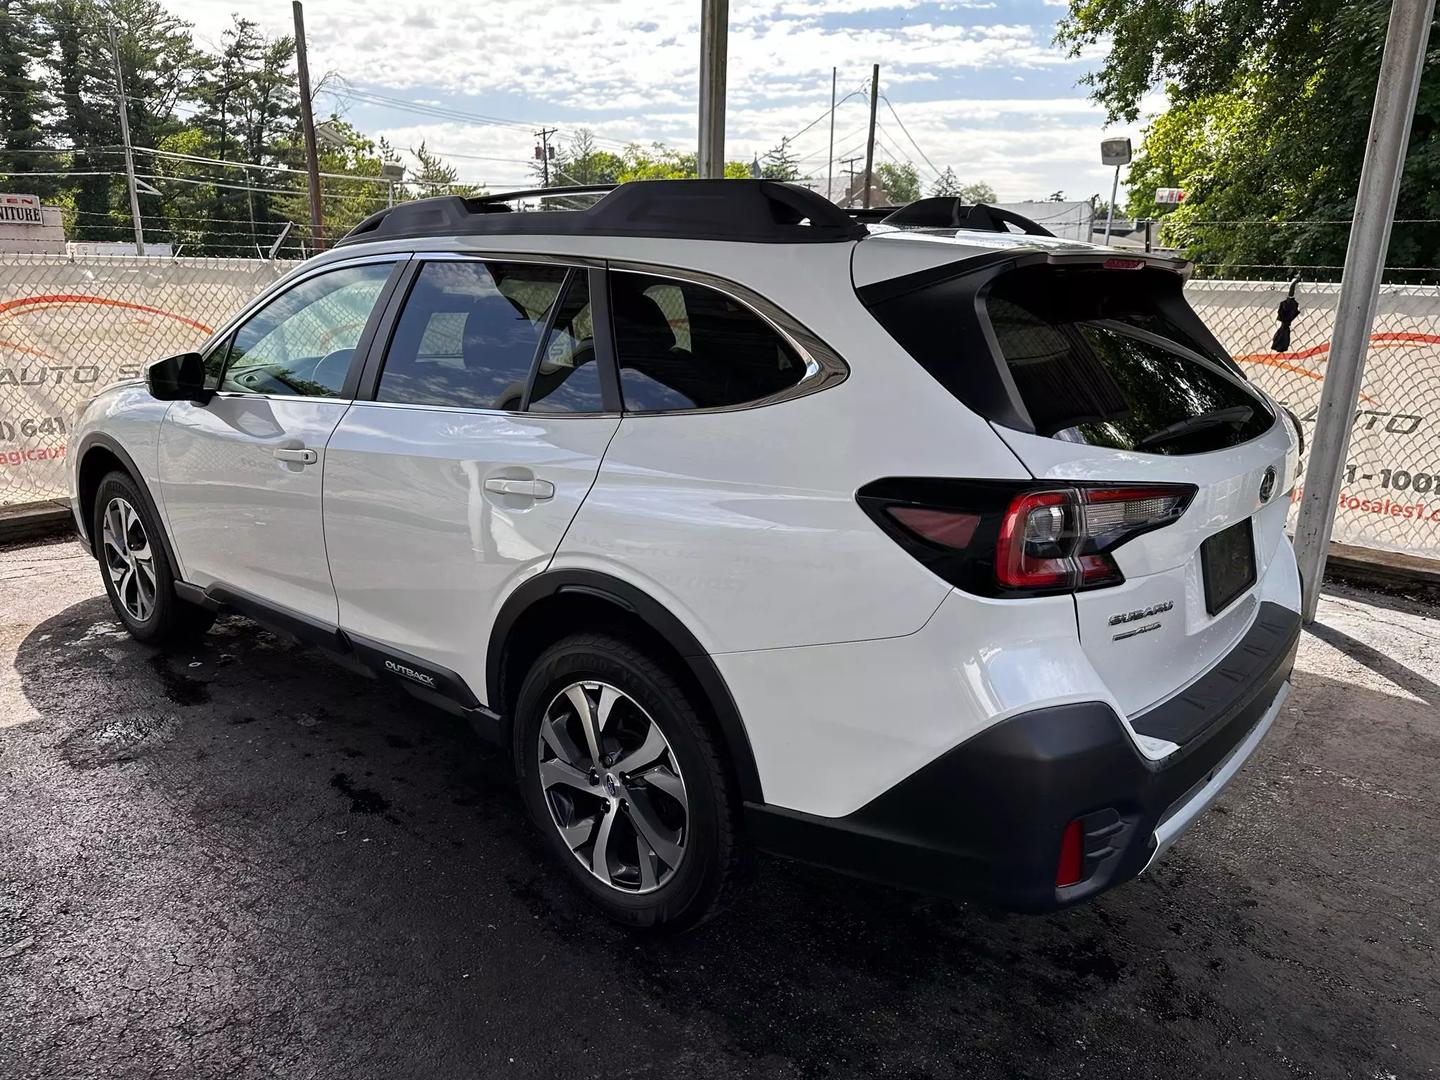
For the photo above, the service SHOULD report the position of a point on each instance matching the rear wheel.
(138, 577)
(624, 777)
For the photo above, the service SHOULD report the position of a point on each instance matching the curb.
(35, 521)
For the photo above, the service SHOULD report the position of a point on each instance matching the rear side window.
(685, 346)
(567, 378)
(469, 333)
(1103, 357)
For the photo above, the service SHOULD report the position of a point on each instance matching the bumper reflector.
(1072, 856)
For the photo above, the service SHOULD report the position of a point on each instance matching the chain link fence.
(71, 325)
(1390, 499)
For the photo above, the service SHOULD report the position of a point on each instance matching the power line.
(908, 135)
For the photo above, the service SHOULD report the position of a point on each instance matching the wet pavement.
(241, 860)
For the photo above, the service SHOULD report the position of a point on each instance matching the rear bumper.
(985, 820)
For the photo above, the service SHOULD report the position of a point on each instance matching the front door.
(458, 480)
(240, 475)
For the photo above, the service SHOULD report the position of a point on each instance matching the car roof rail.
(946, 212)
(755, 211)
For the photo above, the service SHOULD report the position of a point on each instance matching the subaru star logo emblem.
(1267, 485)
(610, 785)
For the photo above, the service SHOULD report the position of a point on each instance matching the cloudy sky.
(972, 84)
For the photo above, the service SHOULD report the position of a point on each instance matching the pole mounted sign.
(21, 210)
(1169, 195)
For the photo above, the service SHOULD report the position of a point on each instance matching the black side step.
(427, 682)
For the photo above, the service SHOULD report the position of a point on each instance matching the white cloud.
(627, 69)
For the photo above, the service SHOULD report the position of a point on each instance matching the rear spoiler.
(945, 212)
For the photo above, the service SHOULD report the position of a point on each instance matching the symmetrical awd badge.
(1267, 484)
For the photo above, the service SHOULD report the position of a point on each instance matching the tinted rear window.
(1110, 358)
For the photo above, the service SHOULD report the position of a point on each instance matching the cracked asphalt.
(240, 860)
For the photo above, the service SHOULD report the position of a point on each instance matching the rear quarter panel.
(744, 523)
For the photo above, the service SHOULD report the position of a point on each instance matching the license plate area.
(1227, 565)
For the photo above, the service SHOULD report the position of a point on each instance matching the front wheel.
(623, 775)
(138, 577)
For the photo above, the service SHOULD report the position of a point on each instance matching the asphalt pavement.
(241, 860)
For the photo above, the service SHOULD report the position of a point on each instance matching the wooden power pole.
(870, 142)
(307, 119)
(125, 139)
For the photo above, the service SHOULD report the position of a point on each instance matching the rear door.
(1117, 391)
(476, 435)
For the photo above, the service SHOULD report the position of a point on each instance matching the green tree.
(346, 202)
(1269, 107)
(582, 162)
(661, 162)
(947, 184)
(87, 109)
(24, 99)
(436, 177)
(978, 192)
(779, 163)
(901, 182)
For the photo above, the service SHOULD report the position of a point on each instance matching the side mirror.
(178, 378)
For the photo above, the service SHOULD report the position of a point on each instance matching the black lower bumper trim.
(985, 820)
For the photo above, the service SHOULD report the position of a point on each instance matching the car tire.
(139, 579)
(661, 801)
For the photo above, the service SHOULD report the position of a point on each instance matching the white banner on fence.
(1391, 494)
(69, 326)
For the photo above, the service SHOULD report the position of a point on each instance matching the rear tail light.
(1001, 539)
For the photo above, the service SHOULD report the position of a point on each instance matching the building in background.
(28, 228)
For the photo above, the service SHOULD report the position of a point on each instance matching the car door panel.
(433, 516)
(240, 474)
(443, 494)
(240, 514)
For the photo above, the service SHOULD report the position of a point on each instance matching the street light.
(1115, 152)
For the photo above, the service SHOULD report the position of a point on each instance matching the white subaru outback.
(932, 551)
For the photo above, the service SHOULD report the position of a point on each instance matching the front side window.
(469, 333)
(685, 346)
(301, 343)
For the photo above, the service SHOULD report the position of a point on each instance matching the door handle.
(302, 457)
(532, 489)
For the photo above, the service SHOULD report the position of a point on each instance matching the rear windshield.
(1105, 357)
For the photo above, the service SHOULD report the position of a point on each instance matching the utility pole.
(307, 120)
(714, 45)
(849, 164)
(1395, 96)
(830, 161)
(125, 139)
(543, 153)
(870, 142)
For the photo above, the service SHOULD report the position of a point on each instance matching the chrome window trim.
(542, 257)
(824, 367)
(533, 414)
(249, 395)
